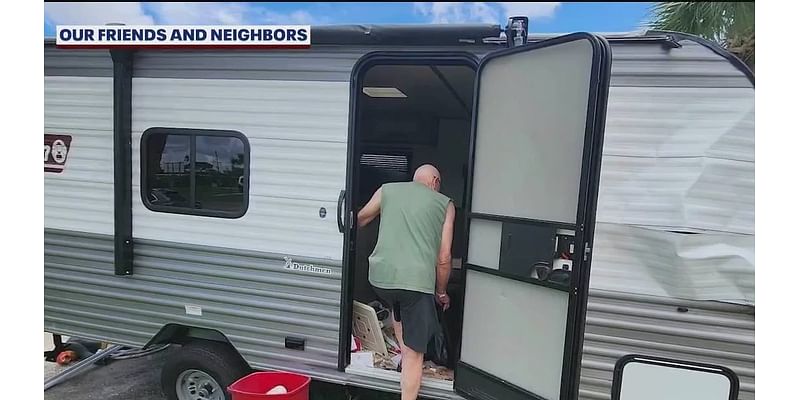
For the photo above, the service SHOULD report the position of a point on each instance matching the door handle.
(339, 207)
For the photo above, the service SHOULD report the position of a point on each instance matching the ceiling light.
(383, 92)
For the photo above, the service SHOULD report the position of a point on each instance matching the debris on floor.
(384, 362)
(368, 350)
(432, 370)
(368, 329)
(362, 359)
(391, 341)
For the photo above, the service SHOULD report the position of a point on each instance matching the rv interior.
(407, 116)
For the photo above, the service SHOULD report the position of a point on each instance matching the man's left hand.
(443, 300)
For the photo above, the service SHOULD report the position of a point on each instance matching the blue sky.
(545, 16)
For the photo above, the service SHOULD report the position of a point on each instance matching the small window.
(195, 171)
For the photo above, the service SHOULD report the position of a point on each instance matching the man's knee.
(411, 354)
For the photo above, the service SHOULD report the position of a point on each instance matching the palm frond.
(731, 24)
(716, 21)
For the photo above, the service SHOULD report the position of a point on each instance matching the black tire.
(219, 360)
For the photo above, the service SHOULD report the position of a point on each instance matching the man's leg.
(398, 333)
(411, 375)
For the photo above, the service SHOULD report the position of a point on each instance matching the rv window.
(194, 171)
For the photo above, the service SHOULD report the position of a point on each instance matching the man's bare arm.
(370, 210)
(445, 258)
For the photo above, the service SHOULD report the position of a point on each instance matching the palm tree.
(731, 24)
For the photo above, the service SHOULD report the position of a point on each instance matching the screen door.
(537, 138)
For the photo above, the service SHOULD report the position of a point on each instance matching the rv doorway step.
(386, 380)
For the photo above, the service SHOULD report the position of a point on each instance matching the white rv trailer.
(206, 199)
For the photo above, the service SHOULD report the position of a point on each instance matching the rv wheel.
(202, 370)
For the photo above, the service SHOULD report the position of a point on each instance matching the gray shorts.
(417, 312)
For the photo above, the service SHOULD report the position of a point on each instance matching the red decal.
(56, 150)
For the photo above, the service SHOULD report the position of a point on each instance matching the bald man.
(410, 265)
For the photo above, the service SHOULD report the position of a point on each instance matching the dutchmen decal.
(305, 267)
(56, 150)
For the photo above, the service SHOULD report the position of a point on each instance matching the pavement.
(140, 379)
(50, 368)
(137, 378)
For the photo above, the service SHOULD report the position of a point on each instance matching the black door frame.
(584, 223)
(366, 62)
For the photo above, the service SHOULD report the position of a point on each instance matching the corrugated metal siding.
(71, 62)
(297, 133)
(681, 158)
(678, 155)
(318, 64)
(634, 64)
(654, 65)
(81, 197)
(709, 266)
(248, 296)
(321, 63)
(618, 324)
(680, 122)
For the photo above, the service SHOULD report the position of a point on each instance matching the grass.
(330, 391)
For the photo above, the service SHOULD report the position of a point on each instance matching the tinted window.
(168, 178)
(219, 166)
(192, 171)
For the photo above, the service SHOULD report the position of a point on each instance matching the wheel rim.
(194, 384)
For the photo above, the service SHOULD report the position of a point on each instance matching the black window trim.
(192, 132)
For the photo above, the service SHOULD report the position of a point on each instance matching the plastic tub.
(256, 385)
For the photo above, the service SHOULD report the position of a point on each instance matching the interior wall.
(450, 157)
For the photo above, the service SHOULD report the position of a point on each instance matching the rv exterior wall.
(297, 163)
(293, 109)
(81, 197)
(619, 323)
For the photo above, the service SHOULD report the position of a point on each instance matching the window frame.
(192, 133)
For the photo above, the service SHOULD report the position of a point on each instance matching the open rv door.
(536, 147)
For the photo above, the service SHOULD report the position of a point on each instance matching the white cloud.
(530, 10)
(199, 13)
(171, 13)
(457, 12)
(483, 12)
(295, 17)
(224, 14)
(96, 13)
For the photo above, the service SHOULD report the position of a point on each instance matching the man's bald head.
(429, 176)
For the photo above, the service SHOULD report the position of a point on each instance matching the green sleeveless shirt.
(409, 236)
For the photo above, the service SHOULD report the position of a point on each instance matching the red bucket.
(256, 385)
